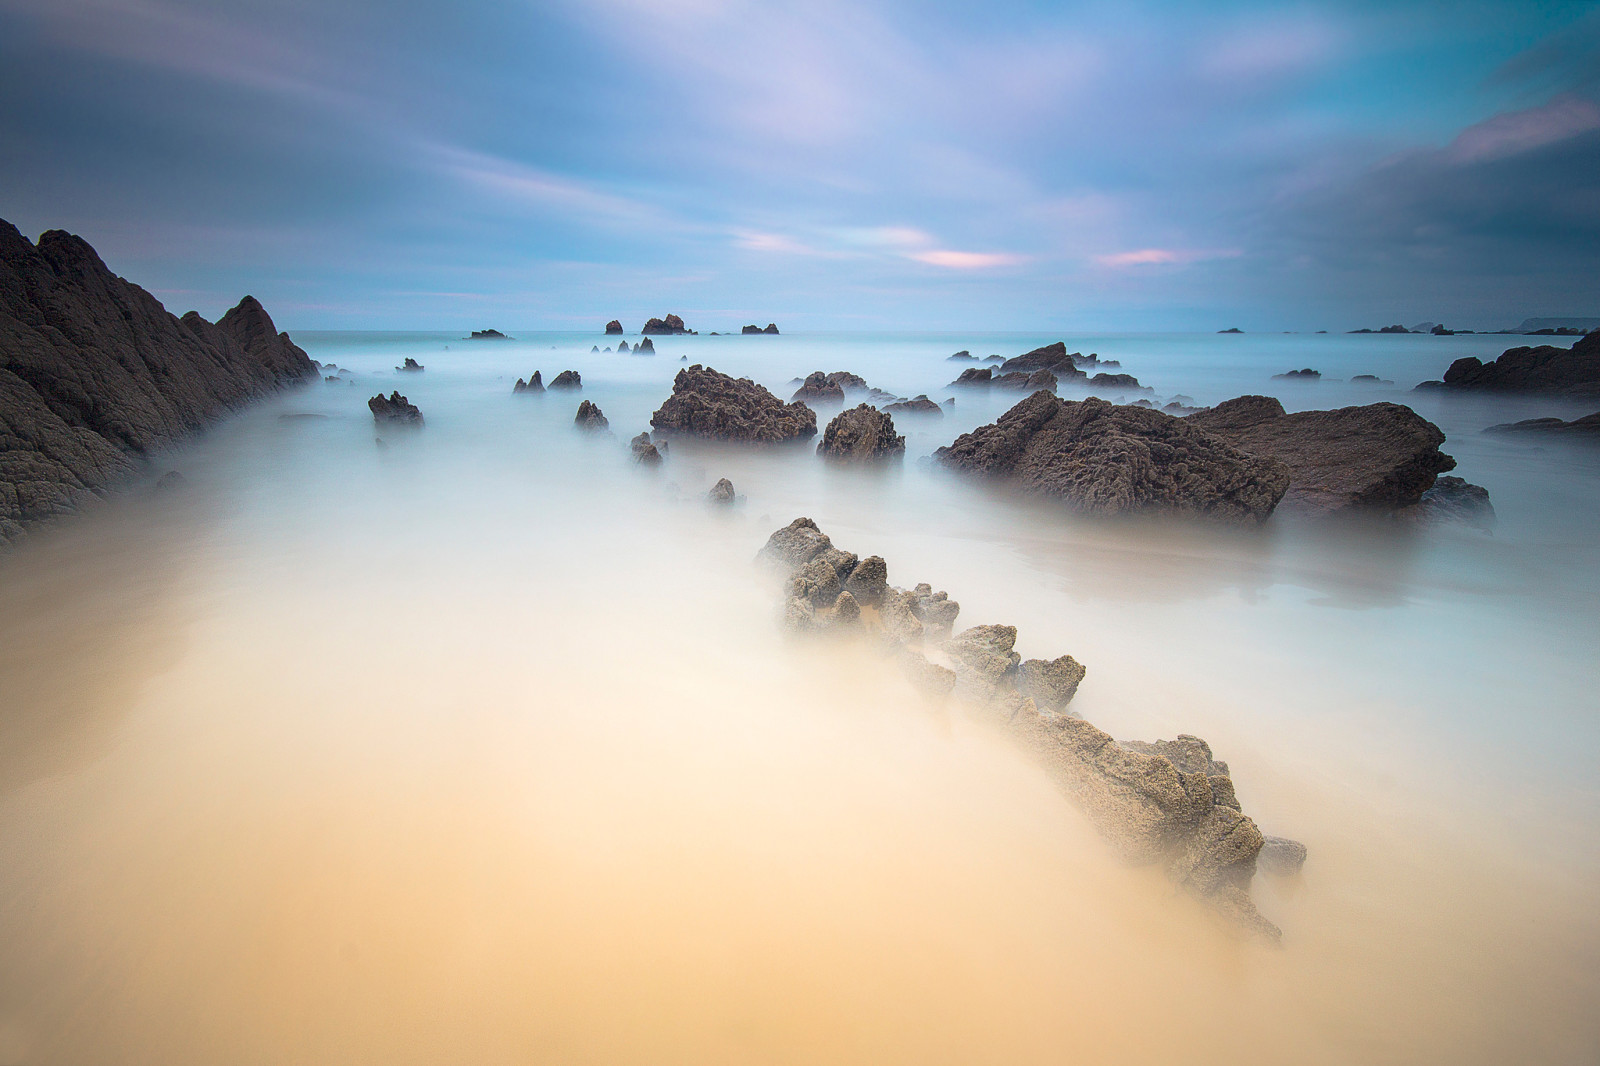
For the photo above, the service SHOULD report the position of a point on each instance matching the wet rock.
(1109, 460)
(869, 580)
(533, 384)
(919, 406)
(590, 417)
(816, 388)
(567, 379)
(613, 326)
(644, 452)
(1574, 370)
(707, 404)
(668, 326)
(1380, 457)
(394, 409)
(1299, 375)
(722, 492)
(1452, 499)
(861, 434)
(1051, 684)
(1280, 856)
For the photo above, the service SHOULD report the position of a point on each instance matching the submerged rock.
(567, 379)
(1103, 459)
(861, 434)
(1452, 499)
(1299, 375)
(705, 403)
(590, 417)
(1118, 383)
(1281, 856)
(622, 346)
(533, 384)
(1546, 368)
(1378, 457)
(394, 409)
(645, 347)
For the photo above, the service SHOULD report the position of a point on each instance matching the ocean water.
(484, 744)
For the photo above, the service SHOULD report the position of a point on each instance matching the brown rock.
(705, 403)
(567, 379)
(1543, 369)
(861, 434)
(395, 410)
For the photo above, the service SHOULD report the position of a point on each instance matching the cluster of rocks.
(1546, 368)
(394, 410)
(1047, 368)
(861, 434)
(713, 405)
(772, 327)
(1168, 802)
(95, 373)
(1586, 427)
(669, 326)
(590, 417)
(487, 335)
(533, 384)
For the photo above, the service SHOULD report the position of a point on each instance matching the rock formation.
(963, 356)
(1586, 427)
(722, 492)
(1166, 803)
(1117, 383)
(410, 364)
(705, 403)
(645, 347)
(861, 434)
(1103, 459)
(670, 325)
(645, 451)
(1452, 499)
(95, 373)
(622, 346)
(590, 417)
(613, 327)
(488, 335)
(567, 379)
(1066, 366)
(919, 406)
(817, 388)
(533, 384)
(1574, 370)
(771, 328)
(1299, 375)
(1378, 457)
(394, 410)
(974, 376)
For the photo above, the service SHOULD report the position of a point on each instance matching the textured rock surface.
(1111, 460)
(1452, 499)
(613, 327)
(94, 373)
(816, 388)
(975, 376)
(861, 434)
(590, 416)
(1377, 457)
(722, 492)
(644, 450)
(567, 379)
(1051, 684)
(394, 410)
(1542, 369)
(705, 403)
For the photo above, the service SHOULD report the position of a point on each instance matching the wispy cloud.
(954, 260)
(1164, 256)
(1524, 131)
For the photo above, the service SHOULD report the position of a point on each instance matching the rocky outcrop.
(1452, 499)
(722, 493)
(1065, 365)
(1379, 457)
(974, 376)
(919, 406)
(816, 388)
(533, 384)
(567, 379)
(394, 410)
(861, 434)
(411, 364)
(663, 327)
(771, 328)
(95, 373)
(1299, 375)
(622, 346)
(590, 417)
(963, 356)
(1166, 803)
(1587, 427)
(488, 335)
(705, 403)
(1574, 370)
(645, 347)
(644, 450)
(613, 327)
(1117, 383)
(1099, 458)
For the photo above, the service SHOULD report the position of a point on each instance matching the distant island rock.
(1559, 325)
(394, 410)
(669, 326)
(771, 328)
(488, 335)
(1586, 427)
(1546, 368)
(1298, 375)
(1386, 329)
(613, 327)
(1231, 329)
(411, 364)
(706, 403)
(95, 374)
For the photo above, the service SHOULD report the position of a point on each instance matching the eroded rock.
(705, 403)
(861, 434)
(394, 410)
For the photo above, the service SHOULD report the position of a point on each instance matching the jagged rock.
(868, 580)
(795, 545)
(936, 609)
(1014, 380)
(488, 335)
(974, 376)
(1299, 375)
(845, 609)
(567, 379)
(722, 492)
(622, 346)
(1378, 457)
(590, 417)
(1574, 370)
(1104, 459)
(1452, 499)
(983, 657)
(1041, 379)
(705, 403)
(900, 624)
(1055, 358)
(1051, 684)
(645, 346)
(533, 384)
(613, 326)
(861, 434)
(411, 364)
(1587, 426)
(1118, 383)
(919, 406)
(670, 325)
(1280, 856)
(644, 451)
(394, 409)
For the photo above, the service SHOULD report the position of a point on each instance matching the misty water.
(484, 744)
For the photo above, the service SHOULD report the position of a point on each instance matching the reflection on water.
(483, 747)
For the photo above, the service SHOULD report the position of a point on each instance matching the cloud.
(1524, 131)
(953, 260)
(539, 188)
(1164, 256)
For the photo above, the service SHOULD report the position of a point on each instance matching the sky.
(1140, 165)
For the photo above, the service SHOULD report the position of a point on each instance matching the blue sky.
(868, 164)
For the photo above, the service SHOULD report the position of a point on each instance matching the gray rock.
(722, 492)
(861, 434)
(707, 404)
(590, 417)
(1051, 684)
(567, 379)
(868, 580)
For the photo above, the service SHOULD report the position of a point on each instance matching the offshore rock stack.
(1166, 802)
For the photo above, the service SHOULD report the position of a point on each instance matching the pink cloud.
(1159, 256)
(953, 260)
(1523, 131)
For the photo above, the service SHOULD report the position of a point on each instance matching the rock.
(845, 609)
(567, 379)
(846, 380)
(919, 406)
(1299, 375)
(818, 389)
(868, 580)
(936, 610)
(1118, 383)
(928, 678)
(705, 403)
(1280, 856)
(95, 374)
(861, 434)
(644, 452)
(670, 325)
(1378, 457)
(589, 417)
(1041, 379)
(1231, 329)
(983, 657)
(1016, 379)
(171, 481)
(533, 384)
(1587, 426)
(795, 545)
(488, 335)
(1055, 358)
(1574, 370)
(410, 364)
(394, 409)
(613, 326)
(722, 492)
(771, 328)
(816, 582)
(1109, 460)
(1452, 499)
(645, 346)
(963, 356)
(974, 376)
(1369, 379)
(900, 625)
(594, 349)
(622, 346)
(1050, 684)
